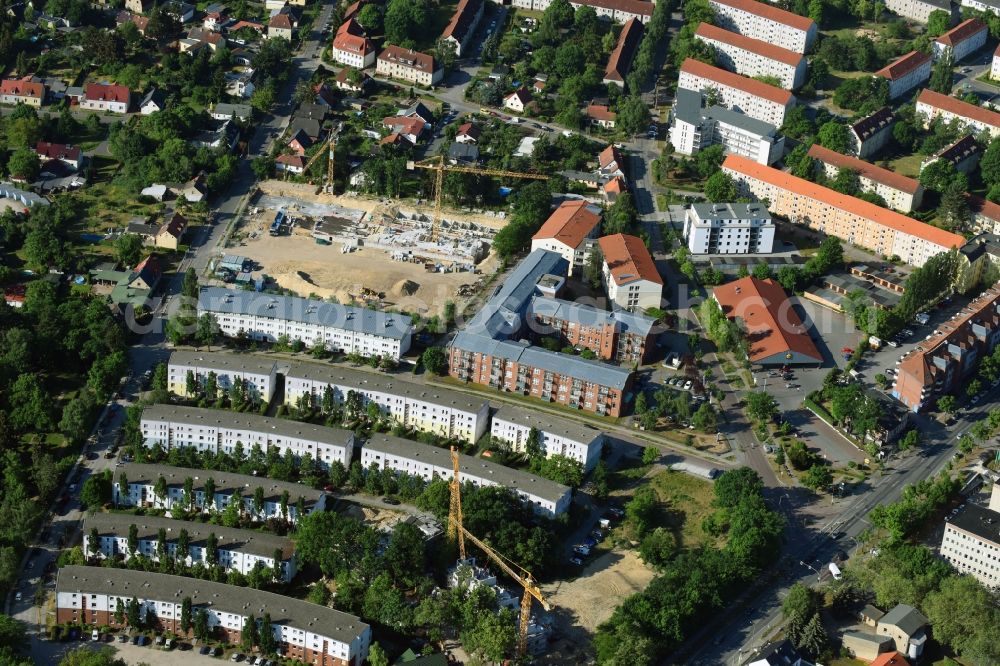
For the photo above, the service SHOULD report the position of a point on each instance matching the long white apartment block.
(235, 549)
(995, 65)
(729, 228)
(280, 497)
(971, 541)
(920, 10)
(965, 38)
(931, 105)
(429, 409)
(739, 93)
(557, 436)
(753, 57)
(766, 22)
(694, 128)
(340, 328)
(619, 11)
(219, 431)
(547, 498)
(257, 373)
(303, 631)
(906, 73)
(901, 193)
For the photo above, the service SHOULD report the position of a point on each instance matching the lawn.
(907, 166)
(686, 502)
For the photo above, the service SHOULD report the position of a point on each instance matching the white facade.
(693, 129)
(743, 98)
(442, 412)
(753, 58)
(969, 37)
(353, 51)
(513, 426)
(918, 10)
(419, 68)
(729, 229)
(899, 199)
(906, 73)
(634, 296)
(766, 23)
(995, 66)
(931, 105)
(258, 376)
(971, 541)
(619, 11)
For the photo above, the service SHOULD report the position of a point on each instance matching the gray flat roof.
(225, 482)
(476, 467)
(222, 361)
(125, 583)
(248, 541)
(389, 384)
(588, 315)
(306, 311)
(730, 211)
(688, 107)
(529, 418)
(223, 418)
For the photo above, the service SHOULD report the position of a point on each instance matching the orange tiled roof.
(867, 169)
(628, 259)
(890, 659)
(961, 32)
(749, 44)
(744, 83)
(903, 65)
(107, 93)
(21, 88)
(958, 107)
(625, 48)
(771, 12)
(570, 224)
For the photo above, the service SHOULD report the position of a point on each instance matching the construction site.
(360, 249)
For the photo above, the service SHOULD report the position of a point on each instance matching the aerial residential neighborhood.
(555, 332)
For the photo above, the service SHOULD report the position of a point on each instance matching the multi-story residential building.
(428, 409)
(753, 57)
(258, 374)
(870, 134)
(854, 220)
(620, 61)
(906, 73)
(621, 336)
(556, 436)
(492, 349)
(629, 273)
(920, 10)
(977, 258)
(965, 38)
(408, 65)
(971, 541)
(283, 22)
(463, 24)
(303, 631)
(280, 497)
(352, 47)
(964, 155)
(103, 97)
(901, 193)
(547, 498)
(340, 328)
(723, 228)
(235, 549)
(931, 105)
(570, 231)
(740, 93)
(21, 91)
(219, 431)
(767, 23)
(995, 65)
(619, 11)
(943, 362)
(694, 127)
(990, 6)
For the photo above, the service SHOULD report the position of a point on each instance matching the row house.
(765, 22)
(753, 57)
(219, 431)
(463, 24)
(853, 220)
(906, 73)
(740, 93)
(900, 193)
(547, 498)
(695, 127)
(932, 105)
(570, 231)
(514, 425)
(396, 62)
(280, 497)
(339, 328)
(303, 631)
(235, 549)
(428, 409)
(620, 61)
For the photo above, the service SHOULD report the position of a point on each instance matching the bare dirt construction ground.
(588, 600)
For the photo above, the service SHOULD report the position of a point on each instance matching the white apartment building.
(900, 193)
(408, 65)
(547, 498)
(303, 631)
(557, 436)
(765, 22)
(235, 549)
(872, 133)
(629, 273)
(258, 374)
(854, 220)
(428, 409)
(906, 73)
(619, 11)
(965, 38)
(569, 232)
(971, 541)
(995, 65)
(694, 128)
(353, 50)
(931, 105)
(740, 93)
(280, 497)
(341, 328)
(723, 228)
(218, 431)
(919, 10)
(990, 6)
(753, 57)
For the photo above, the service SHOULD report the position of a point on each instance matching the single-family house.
(601, 115)
(291, 163)
(106, 97)
(169, 234)
(410, 128)
(226, 111)
(468, 133)
(67, 154)
(518, 100)
(351, 80)
(153, 101)
(283, 23)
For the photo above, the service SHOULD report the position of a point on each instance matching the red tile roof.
(345, 41)
(887, 218)
(757, 46)
(404, 124)
(351, 27)
(628, 259)
(890, 659)
(408, 57)
(744, 83)
(468, 129)
(569, 224)
(903, 65)
(57, 151)
(609, 156)
(175, 226)
(867, 169)
(772, 326)
(771, 12)
(961, 32)
(984, 207)
(291, 160)
(615, 186)
(621, 58)
(958, 107)
(21, 88)
(463, 19)
(99, 92)
(281, 21)
(253, 25)
(600, 112)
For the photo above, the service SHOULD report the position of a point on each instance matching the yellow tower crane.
(331, 144)
(457, 530)
(437, 165)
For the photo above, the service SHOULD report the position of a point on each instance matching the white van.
(835, 571)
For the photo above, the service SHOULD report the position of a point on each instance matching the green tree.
(128, 249)
(377, 656)
(249, 637)
(817, 477)
(186, 614)
(761, 406)
(435, 360)
(650, 455)
(834, 135)
(947, 404)
(633, 115)
(720, 187)
(24, 165)
(267, 643)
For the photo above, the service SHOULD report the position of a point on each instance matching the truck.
(704, 471)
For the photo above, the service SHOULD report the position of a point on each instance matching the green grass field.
(685, 501)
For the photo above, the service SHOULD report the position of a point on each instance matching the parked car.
(123, 638)
(893, 343)
(18, 596)
(687, 385)
(205, 650)
(95, 635)
(237, 656)
(576, 560)
(391, 501)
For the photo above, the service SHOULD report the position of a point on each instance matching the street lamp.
(811, 569)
